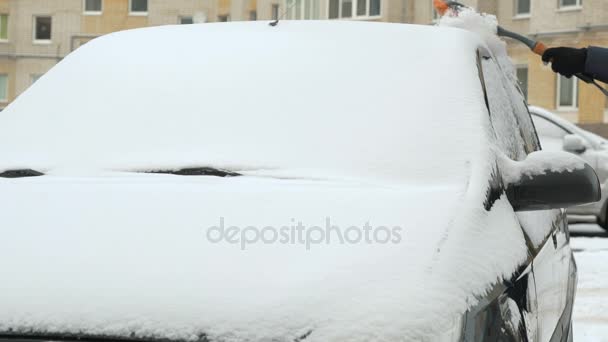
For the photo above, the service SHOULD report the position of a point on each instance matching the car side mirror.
(550, 180)
(574, 144)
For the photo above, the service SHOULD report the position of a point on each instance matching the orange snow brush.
(442, 7)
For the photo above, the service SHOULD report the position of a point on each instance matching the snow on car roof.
(343, 98)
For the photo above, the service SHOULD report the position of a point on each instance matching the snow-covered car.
(309, 181)
(558, 134)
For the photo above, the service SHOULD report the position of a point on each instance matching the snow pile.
(485, 25)
(538, 163)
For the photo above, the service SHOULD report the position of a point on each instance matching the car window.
(523, 117)
(548, 129)
(502, 112)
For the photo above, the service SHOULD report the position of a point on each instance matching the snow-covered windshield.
(320, 98)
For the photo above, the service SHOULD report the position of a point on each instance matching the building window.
(138, 7)
(253, 15)
(223, 18)
(347, 9)
(35, 77)
(567, 93)
(42, 29)
(92, 6)
(570, 3)
(361, 7)
(3, 27)
(374, 8)
(334, 9)
(522, 77)
(353, 8)
(275, 12)
(522, 8)
(303, 9)
(3, 87)
(186, 20)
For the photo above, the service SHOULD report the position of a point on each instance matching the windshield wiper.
(20, 173)
(197, 171)
(33, 337)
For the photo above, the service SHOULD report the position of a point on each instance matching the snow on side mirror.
(573, 143)
(549, 180)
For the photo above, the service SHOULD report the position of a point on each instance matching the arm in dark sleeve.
(597, 63)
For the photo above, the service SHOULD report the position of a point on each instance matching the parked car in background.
(558, 134)
(120, 168)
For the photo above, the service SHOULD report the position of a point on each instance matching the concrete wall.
(114, 17)
(65, 21)
(26, 68)
(20, 56)
(162, 12)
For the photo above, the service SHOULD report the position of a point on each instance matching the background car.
(106, 220)
(557, 134)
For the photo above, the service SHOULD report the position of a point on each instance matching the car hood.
(131, 257)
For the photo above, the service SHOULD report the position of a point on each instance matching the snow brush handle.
(539, 48)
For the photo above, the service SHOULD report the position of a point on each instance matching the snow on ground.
(591, 304)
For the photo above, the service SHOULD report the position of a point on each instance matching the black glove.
(566, 61)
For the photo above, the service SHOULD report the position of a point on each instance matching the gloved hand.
(566, 61)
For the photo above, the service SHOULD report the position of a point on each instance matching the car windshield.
(306, 101)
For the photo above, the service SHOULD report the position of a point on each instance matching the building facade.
(558, 23)
(35, 35)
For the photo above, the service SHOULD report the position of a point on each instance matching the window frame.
(182, 17)
(354, 11)
(562, 7)
(304, 5)
(517, 14)
(574, 95)
(138, 13)
(7, 15)
(35, 40)
(85, 12)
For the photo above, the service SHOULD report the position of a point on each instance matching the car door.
(544, 285)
